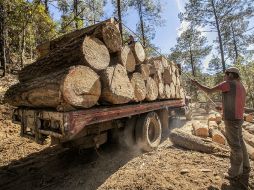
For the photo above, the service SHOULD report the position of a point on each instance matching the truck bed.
(37, 123)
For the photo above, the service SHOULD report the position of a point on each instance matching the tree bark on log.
(151, 90)
(77, 86)
(127, 59)
(116, 86)
(200, 130)
(89, 52)
(138, 52)
(57, 43)
(139, 87)
(191, 142)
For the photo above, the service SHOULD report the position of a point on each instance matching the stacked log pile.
(90, 67)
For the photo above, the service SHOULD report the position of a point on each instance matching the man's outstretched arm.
(204, 88)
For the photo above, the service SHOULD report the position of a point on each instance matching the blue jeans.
(239, 159)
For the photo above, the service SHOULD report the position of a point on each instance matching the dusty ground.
(26, 165)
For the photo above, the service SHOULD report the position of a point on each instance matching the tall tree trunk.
(235, 45)
(120, 17)
(75, 10)
(219, 36)
(23, 44)
(2, 38)
(46, 6)
(141, 22)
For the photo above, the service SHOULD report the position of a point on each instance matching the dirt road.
(26, 165)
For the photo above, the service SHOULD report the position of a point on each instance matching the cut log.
(200, 130)
(249, 138)
(178, 91)
(250, 151)
(161, 91)
(158, 77)
(111, 36)
(151, 90)
(77, 86)
(215, 117)
(192, 142)
(139, 87)
(173, 90)
(138, 52)
(127, 59)
(167, 92)
(182, 94)
(248, 117)
(173, 78)
(89, 52)
(144, 70)
(173, 67)
(157, 64)
(57, 43)
(217, 136)
(249, 128)
(167, 76)
(116, 86)
(212, 124)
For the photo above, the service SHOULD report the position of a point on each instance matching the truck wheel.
(148, 131)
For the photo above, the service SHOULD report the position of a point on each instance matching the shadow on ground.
(55, 168)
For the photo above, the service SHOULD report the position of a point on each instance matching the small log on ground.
(192, 142)
(144, 70)
(200, 130)
(249, 138)
(151, 89)
(77, 86)
(138, 52)
(127, 59)
(83, 51)
(250, 151)
(217, 136)
(215, 117)
(249, 128)
(116, 86)
(139, 87)
(212, 124)
(248, 117)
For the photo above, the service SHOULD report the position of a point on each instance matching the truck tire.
(148, 131)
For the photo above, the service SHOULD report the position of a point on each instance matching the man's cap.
(233, 70)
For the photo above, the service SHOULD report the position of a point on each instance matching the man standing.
(233, 101)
